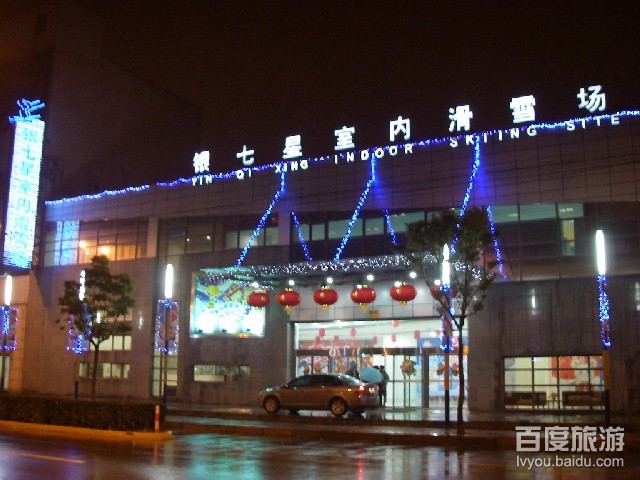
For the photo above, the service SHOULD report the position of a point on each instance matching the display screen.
(220, 308)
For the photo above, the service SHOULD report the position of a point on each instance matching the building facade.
(536, 344)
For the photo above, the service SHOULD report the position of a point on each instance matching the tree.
(97, 316)
(472, 271)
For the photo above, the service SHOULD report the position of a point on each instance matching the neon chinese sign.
(24, 183)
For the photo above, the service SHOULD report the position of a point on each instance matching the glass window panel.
(175, 245)
(304, 230)
(400, 221)
(544, 377)
(337, 229)
(374, 226)
(68, 257)
(542, 362)
(86, 254)
(124, 252)
(568, 233)
(202, 242)
(518, 363)
(317, 231)
(271, 236)
(537, 211)
(127, 342)
(116, 370)
(244, 237)
(125, 370)
(570, 210)
(231, 240)
(108, 251)
(504, 213)
(141, 250)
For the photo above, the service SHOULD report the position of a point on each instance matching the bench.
(531, 399)
(582, 399)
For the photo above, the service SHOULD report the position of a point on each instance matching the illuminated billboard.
(24, 183)
(220, 308)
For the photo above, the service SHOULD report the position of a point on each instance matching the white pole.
(168, 282)
(8, 287)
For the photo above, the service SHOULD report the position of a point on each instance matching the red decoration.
(363, 295)
(258, 299)
(321, 332)
(395, 323)
(393, 338)
(374, 341)
(325, 296)
(288, 298)
(352, 332)
(416, 334)
(403, 293)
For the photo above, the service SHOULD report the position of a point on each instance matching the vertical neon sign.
(22, 205)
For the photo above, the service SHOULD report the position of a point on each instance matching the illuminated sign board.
(220, 307)
(591, 99)
(24, 183)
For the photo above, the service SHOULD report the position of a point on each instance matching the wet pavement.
(411, 426)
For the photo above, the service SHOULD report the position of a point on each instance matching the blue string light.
(303, 244)
(603, 311)
(262, 221)
(392, 234)
(496, 247)
(167, 324)
(420, 143)
(356, 212)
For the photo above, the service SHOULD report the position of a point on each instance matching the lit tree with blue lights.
(470, 237)
(99, 312)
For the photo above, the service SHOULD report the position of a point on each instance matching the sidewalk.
(414, 426)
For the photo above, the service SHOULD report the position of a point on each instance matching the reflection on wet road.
(210, 456)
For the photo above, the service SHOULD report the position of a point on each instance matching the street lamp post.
(168, 293)
(603, 316)
(446, 326)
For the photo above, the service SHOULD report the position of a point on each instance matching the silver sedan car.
(335, 392)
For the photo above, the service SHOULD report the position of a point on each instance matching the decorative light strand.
(603, 311)
(303, 243)
(392, 234)
(485, 135)
(388, 262)
(356, 212)
(167, 312)
(496, 247)
(9, 321)
(262, 221)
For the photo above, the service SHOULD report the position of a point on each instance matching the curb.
(75, 432)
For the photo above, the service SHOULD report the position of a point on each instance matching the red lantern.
(395, 323)
(325, 296)
(363, 295)
(374, 341)
(393, 338)
(403, 293)
(258, 299)
(352, 332)
(416, 334)
(288, 298)
(321, 332)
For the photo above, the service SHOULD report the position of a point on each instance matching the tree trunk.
(460, 420)
(94, 371)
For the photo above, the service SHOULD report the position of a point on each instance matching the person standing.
(383, 388)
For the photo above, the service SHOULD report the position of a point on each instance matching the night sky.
(264, 70)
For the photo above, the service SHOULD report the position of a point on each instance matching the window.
(105, 370)
(220, 373)
(374, 226)
(537, 211)
(568, 237)
(557, 382)
(338, 228)
(504, 213)
(400, 221)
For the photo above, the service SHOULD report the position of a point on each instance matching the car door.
(296, 394)
(322, 391)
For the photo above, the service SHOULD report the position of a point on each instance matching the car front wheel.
(271, 405)
(338, 407)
